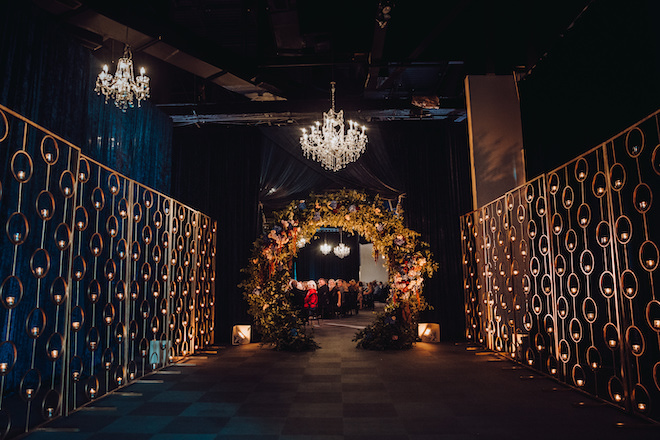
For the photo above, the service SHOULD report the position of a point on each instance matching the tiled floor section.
(435, 391)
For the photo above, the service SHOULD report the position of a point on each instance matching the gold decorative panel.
(560, 273)
(103, 280)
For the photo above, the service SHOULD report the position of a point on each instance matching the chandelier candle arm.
(330, 144)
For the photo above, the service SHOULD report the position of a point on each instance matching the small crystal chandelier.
(325, 248)
(329, 144)
(341, 250)
(123, 87)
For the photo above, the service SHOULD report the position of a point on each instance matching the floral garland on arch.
(408, 260)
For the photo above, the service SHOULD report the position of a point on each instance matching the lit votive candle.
(67, 190)
(579, 382)
(50, 411)
(131, 376)
(21, 175)
(594, 365)
(10, 300)
(119, 380)
(108, 319)
(75, 325)
(17, 236)
(618, 183)
(122, 213)
(76, 376)
(78, 274)
(612, 342)
(97, 205)
(39, 271)
(82, 176)
(656, 323)
(29, 392)
(108, 365)
(61, 244)
(641, 406)
(576, 336)
(92, 345)
(591, 315)
(113, 189)
(650, 263)
(564, 356)
(113, 232)
(57, 298)
(80, 224)
(96, 251)
(636, 348)
(553, 371)
(44, 213)
(92, 392)
(617, 397)
(54, 353)
(49, 157)
(34, 331)
(4, 367)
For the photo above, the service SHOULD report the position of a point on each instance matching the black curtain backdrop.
(227, 171)
(433, 162)
(311, 264)
(598, 79)
(216, 170)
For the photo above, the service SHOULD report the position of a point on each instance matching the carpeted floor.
(434, 391)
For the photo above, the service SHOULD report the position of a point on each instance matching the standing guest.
(352, 296)
(340, 297)
(311, 302)
(360, 296)
(324, 298)
(333, 296)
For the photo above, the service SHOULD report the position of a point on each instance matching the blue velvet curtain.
(48, 77)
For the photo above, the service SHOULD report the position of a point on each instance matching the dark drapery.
(599, 78)
(47, 76)
(311, 264)
(216, 170)
(433, 161)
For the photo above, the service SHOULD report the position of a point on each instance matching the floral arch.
(408, 260)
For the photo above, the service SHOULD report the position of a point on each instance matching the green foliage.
(393, 329)
(408, 260)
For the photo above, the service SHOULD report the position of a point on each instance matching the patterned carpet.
(435, 391)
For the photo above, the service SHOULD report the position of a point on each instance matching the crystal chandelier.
(325, 248)
(329, 144)
(123, 87)
(341, 250)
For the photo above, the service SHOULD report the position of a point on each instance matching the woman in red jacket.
(311, 299)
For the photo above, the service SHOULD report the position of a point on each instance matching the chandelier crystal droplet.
(123, 87)
(330, 144)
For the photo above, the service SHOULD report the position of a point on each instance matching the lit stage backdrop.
(103, 280)
(561, 273)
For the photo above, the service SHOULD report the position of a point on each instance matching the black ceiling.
(271, 61)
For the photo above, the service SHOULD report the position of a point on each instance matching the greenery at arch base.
(409, 262)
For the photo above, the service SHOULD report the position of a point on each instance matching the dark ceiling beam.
(437, 30)
(317, 106)
(303, 119)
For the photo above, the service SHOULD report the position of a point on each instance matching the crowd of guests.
(335, 298)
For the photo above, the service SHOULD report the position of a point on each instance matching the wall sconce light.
(241, 334)
(429, 332)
